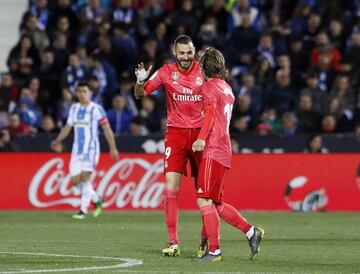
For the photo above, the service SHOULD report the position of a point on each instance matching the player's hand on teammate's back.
(198, 145)
(114, 154)
(142, 74)
(56, 146)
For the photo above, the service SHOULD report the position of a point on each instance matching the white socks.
(250, 232)
(88, 194)
(216, 252)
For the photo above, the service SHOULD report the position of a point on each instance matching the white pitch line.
(127, 263)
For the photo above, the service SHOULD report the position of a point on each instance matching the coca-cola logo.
(130, 182)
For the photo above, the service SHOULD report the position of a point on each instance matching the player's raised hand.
(114, 154)
(198, 145)
(141, 73)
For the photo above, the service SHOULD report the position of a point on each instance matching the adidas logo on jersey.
(200, 190)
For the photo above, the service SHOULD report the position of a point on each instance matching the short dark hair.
(212, 63)
(182, 39)
(83, 83)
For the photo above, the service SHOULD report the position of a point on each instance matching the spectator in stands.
(74, 73)
(64, 8)
(324, 70)
(279, 32)
(48, 125)
(323, 45)
(90, 16)
(353, 52)
(263, 72)
(150, 114)
(176, 19)
(217, 10)
(119, 116)
(26, 56)
(266, 49)
(9, 93)
(343, 92)
(249, 87)
(208, 35)
(39, 9)
(61, 50)
(127, 45)
(150, 17)
(240, 124)
(289, 124)
(313, 26)
(299, 57)
(125, 14)
(328, 123)
(243, 38)
(17, 127)
(137, 127)
(337, 35)
(237, 12)
(314, 144)
(63, 27)
(6, 144)
(242, 109)
(63, 108)
(308, 118)
(281, 95)
(38, 37)
(28, 112)
(318, 97)
(104, 72)
(270, 117)
(263, 129)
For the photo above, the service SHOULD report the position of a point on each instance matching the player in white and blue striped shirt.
(85, 117)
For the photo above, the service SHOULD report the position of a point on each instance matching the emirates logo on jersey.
(198, 81)
(175, 75)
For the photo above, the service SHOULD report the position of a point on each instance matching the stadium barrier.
(300, 182)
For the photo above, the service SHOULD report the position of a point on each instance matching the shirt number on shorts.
(167, 152)
(228, 111)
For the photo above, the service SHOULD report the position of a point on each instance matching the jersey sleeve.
(154, 82)
(70, 119)
(100, 115)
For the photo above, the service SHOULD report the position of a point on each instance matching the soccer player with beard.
(182, 82)
(214, 141)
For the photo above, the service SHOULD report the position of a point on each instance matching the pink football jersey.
(218, 94)
(183, 94)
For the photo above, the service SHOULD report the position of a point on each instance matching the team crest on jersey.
(198, 81)
(175, 75)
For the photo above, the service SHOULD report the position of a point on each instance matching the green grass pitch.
(39, 241)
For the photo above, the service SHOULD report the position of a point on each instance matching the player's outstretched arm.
(56, 144)
(109, 135)
(141, 75)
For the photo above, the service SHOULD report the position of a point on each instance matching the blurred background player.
(85, 116)
(214, 141)
(182, 81)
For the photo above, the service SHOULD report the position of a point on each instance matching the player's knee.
(85, 176)
(201, 202)
(76, 180)
(172, 181)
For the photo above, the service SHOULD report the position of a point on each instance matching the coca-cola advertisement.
(298, 182)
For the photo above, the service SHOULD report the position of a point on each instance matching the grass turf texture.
(294, 243)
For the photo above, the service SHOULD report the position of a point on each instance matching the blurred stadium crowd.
(294, 64)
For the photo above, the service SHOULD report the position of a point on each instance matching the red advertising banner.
(301, 182)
